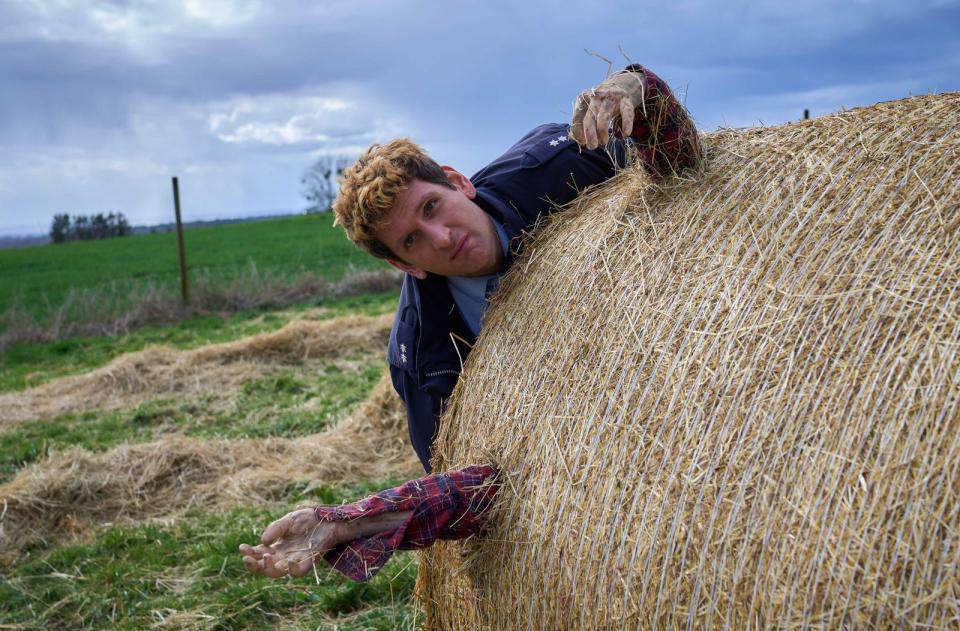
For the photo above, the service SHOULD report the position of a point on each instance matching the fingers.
(255, 552)
(285, 547)
(253, 558)
(265, 561)
(276, 530)
(626, 117)
(301, 567)
(595, 111)
(579, 111)
(590, 124)
(604, 116)
(275, 565)
(293, 523)
(252, 565)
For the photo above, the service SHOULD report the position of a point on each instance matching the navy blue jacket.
(545, 168)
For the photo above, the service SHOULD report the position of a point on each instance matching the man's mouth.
(460, 246)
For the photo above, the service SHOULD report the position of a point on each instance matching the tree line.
(88, 227)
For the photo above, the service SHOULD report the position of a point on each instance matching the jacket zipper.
(437, 373)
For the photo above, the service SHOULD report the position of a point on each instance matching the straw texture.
(728, 401)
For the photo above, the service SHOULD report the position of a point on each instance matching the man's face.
(441, 230)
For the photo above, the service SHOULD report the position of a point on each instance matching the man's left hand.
(614, 100)
(291, 544)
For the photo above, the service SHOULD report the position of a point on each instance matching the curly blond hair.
(370, 187)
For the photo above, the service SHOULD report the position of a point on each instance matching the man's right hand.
(615, 100)
(291, 545)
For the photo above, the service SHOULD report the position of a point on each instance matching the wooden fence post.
(184, 289)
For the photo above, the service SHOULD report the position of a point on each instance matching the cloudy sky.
(102, 102)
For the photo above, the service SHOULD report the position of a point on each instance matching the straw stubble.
(71, 492)
(158, 371)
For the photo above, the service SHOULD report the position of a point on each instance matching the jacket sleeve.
(663, 131)
(443, 506)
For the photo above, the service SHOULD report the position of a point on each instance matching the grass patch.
(287, 404)
(189, 574)
(292, 405)
(32, 363)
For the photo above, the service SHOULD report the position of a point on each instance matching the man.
(453, 237)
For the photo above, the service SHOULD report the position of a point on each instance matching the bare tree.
(319, 182)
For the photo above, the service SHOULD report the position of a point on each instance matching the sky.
(101, 103)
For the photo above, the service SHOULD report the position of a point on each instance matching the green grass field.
(41, 278)
(186, 572)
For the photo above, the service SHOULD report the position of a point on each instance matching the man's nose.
(440, 236)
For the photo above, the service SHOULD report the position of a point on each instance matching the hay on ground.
(73, 490)
(137, 377)
(729, 401)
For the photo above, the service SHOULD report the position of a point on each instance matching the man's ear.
(409, 269)
(460, 181)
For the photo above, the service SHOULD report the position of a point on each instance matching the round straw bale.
(728, 400)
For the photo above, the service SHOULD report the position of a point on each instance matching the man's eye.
(408, 242)
(429, 207)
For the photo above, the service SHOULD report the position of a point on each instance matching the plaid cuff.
(445, 506)
(666, 137)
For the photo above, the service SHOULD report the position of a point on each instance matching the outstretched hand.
(614, 100)
(290, 545)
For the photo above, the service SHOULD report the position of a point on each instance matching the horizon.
(276, 213)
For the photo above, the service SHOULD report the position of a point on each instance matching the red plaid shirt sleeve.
(445, 506)
(663, 131)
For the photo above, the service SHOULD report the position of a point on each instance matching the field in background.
(52, 291)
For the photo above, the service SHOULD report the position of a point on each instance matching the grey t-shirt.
(471, 293)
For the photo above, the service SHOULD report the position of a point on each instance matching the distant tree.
(320, 182)
(123, 226)
(81, 228)
(60, 228)
(84, 227)
(99, 227)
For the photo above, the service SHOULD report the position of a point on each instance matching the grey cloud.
(130, 92)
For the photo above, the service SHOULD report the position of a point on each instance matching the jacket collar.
(508, 217)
